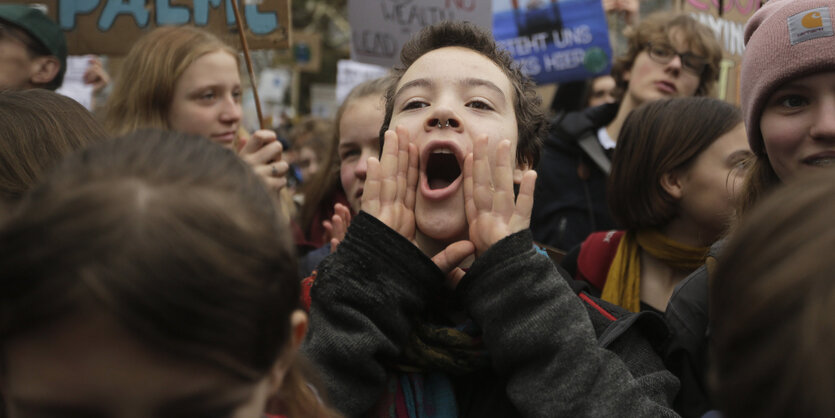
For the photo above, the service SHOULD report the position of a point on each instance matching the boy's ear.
(44, 70)
(520, 170)
(672, 184)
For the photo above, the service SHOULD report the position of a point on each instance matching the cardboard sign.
(729, 29)
(556, 41)
(111, 27)
(307, 51)
(381, 27)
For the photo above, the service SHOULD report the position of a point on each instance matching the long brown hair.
(771, 301)
(37, 128)
(174, 236)
(144, 88)
(657, 138)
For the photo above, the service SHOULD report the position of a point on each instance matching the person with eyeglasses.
(669, 55)
(33, 51)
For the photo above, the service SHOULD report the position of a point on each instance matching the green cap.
(39, 27)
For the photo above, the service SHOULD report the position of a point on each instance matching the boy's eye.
(236, 95)
(415, 104)
(479, 104)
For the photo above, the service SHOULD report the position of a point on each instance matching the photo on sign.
(554, 41)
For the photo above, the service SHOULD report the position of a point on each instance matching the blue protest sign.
(556, 41)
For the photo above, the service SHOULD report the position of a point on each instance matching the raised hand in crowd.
(263, 152)
(337, 226)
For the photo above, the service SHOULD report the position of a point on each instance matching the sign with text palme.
(111, 27)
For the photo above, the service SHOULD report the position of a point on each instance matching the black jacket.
(686, 353)
(548, 358)
(570, 200)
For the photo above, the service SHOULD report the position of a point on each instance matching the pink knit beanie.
(784, 40)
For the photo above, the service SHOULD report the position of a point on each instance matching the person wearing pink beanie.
(788, 92)
(768, 351)
(788, 106)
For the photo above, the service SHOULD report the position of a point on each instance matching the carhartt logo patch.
(811, 24)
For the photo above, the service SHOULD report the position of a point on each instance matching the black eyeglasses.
(663, 54)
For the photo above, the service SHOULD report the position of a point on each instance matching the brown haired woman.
(148, 276)
(674, 177)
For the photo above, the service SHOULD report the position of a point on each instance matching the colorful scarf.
(420, 386)
(623, 282)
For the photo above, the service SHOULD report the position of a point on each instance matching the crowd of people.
(391, 262)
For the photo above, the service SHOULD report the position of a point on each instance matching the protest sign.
(381, 27)
(556, 41)
(307, 51)
(729, 29)
(73, 85)
(273, 84)
(112, 26)
(350, 73)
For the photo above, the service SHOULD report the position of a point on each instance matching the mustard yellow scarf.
(623, 282)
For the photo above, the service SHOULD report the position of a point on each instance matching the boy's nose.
(443, 123)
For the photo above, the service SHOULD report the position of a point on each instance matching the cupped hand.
(391, 184)
(492, 210)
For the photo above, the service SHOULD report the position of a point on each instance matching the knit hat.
(784, 40)
(39, 27)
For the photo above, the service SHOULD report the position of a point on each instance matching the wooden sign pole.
(248, 63)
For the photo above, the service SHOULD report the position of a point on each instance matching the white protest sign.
(381, 27)
(350, 73)
(74, 85)
(273, 84)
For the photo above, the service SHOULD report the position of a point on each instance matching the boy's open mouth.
(442, 168)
